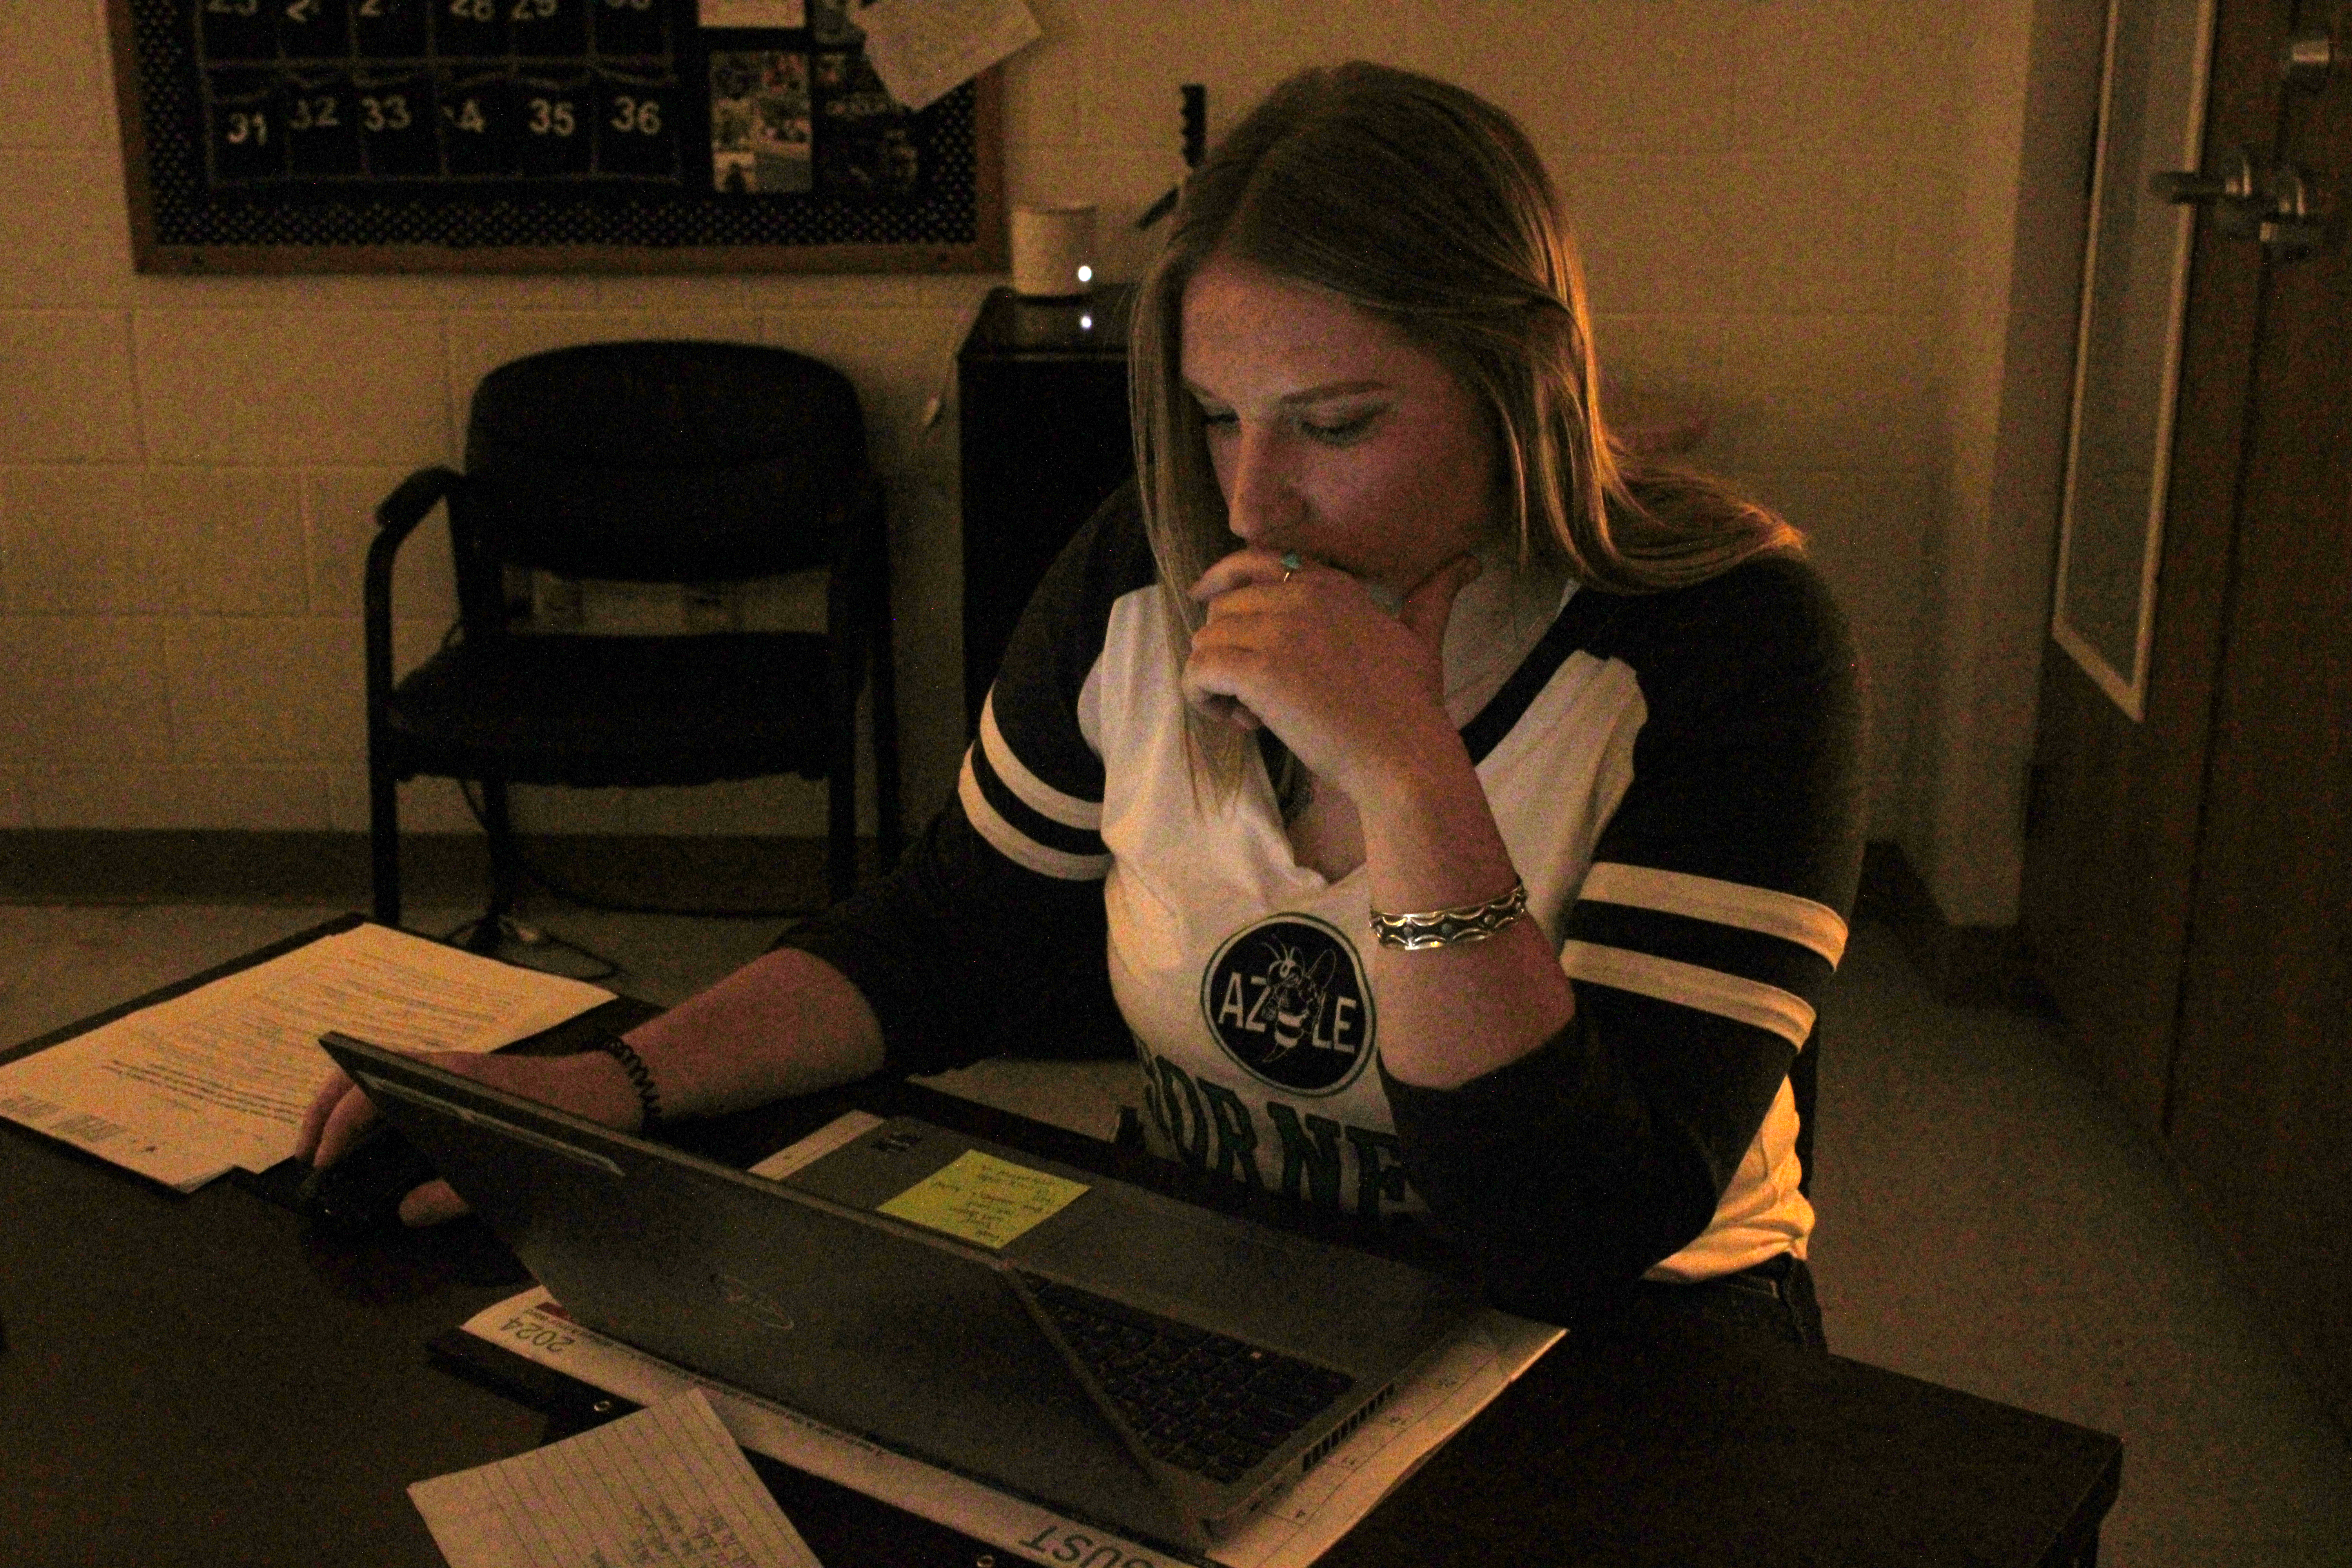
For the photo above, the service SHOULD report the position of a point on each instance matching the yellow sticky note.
(979, 1198)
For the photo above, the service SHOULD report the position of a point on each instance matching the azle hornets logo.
(1287, 999)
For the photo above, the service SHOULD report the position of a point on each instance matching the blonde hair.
(1425, 207)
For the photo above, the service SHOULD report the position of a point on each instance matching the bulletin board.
(541, 135)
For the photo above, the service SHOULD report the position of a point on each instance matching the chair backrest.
(666, 461)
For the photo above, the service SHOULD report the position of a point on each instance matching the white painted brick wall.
(1766, 192)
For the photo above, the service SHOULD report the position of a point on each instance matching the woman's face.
(1332, 434)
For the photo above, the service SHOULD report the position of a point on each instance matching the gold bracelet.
(1443, 928)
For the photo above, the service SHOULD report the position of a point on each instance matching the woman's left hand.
(1357, 694)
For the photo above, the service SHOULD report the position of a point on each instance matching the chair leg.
(506, 866)
(891, 827)
(384, 842)
(841, 815)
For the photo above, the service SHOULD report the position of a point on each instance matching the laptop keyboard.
(1198, 1400)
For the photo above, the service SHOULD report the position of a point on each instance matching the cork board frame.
(290, 136)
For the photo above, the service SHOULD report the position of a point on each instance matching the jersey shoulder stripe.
(1720, 880)
(1036, 698)
(1748, 1002)
(1007, 804)
(1786, 916)
(1032, 783)
(1750, 955)
(1024, 849)
(1069, 810)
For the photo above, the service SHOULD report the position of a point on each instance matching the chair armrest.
(395, 519)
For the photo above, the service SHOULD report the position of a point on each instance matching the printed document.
(219, 1077)
(665, 1485)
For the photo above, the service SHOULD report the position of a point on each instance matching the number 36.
(641, 115)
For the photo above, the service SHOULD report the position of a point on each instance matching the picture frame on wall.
(540, 136)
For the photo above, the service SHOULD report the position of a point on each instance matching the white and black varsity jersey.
(1676, 776)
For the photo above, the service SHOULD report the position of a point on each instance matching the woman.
(1457, 812)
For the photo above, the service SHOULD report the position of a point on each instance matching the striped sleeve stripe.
(1035, 793)
(1707, 944)
(1018, 846)
(1784, 915)
(1031, 825)
(1688, 985)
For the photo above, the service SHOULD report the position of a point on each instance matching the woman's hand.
(1357, 694)
(591, 1084)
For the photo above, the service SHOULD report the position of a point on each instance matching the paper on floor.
(665, 1485)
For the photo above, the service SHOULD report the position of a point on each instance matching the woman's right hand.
(589, 1084)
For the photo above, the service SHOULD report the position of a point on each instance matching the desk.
(192, 1380)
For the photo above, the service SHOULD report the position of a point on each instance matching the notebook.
(1117, 1355)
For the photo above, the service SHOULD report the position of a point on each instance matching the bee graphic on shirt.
(1294, 993)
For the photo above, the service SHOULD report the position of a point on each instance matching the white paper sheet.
(665, 1485)
(923, 49)
(220, 1077)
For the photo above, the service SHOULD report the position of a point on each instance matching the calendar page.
(634, 135)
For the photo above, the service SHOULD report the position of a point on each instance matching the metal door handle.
(2307, 57)
(2274, 203)
(2235, 183)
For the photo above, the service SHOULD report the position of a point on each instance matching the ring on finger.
(1291, 564)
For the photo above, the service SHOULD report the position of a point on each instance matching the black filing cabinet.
(1041, 384)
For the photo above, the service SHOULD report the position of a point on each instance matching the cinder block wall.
(1767, 192)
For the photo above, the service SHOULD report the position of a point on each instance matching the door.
(2261, 1109)
(2187, 867)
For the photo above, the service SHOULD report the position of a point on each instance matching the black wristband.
(639, 1074)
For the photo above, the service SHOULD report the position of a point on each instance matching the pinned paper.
(751, 14)
(981, 1199)
(923, 49)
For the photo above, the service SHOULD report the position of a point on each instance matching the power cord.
(466, 933)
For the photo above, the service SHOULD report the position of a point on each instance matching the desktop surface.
(204, 1379)
(186, 1382)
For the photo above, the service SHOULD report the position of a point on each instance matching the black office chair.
(645, 462)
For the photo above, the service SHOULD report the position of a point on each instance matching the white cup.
(1052, 250)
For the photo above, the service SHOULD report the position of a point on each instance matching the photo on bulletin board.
(541, 135)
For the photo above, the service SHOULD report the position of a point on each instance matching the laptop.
(1117, 1355)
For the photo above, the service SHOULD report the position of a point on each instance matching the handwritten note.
(665, 1485)
(979, 1198)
